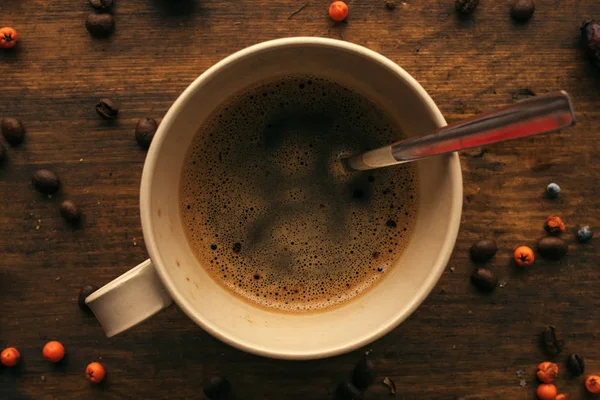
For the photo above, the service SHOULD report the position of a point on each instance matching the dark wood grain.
(457, 343)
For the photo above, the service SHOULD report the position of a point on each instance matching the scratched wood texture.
(457, 343)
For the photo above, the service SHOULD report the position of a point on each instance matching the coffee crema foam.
(269, 211)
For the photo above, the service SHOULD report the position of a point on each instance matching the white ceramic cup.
(173, 272)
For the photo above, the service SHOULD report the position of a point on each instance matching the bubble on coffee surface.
(268, 209)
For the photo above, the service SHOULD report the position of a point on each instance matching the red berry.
(94, 372)
(8, 38)
(10, 357)
(54, 351)
(338, 11)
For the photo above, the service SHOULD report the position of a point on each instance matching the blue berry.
(584, 234)
(553, 190)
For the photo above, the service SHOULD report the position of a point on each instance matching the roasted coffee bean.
(552, 248)
(590, 38)
(218, 388)
(522, 10)
(484, 280)
(70, 211)
(144, 131)
(13, 131)
(2, 153)
(100, 25)
(364, 373)
(483, 250)
(83, 294)
(347, 391)
(107, 109)
(45, 181)
(466, 6)
(576, 364)
(101, 4)
(552, 341)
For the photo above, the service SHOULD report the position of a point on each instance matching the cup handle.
(130, 299)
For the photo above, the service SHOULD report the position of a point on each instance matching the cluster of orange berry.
(548, 371)
(54, 352)
(551, 247)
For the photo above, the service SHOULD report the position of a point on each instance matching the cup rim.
(445, 251)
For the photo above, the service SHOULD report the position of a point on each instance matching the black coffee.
(268, 209)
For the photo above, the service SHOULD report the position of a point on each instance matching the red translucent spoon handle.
(536, 115)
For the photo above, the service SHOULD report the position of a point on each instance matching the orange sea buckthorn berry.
(546, 391)
(94, 372)
(562, 397)
(524, 256)
(554, 225)
(547, 372)
(54, 351)
(8, 38)
(592, 384)
(10, 357)
(338, 11)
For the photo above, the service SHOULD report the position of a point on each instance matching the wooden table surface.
(458, 342)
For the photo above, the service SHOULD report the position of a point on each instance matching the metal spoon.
(540, 114)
